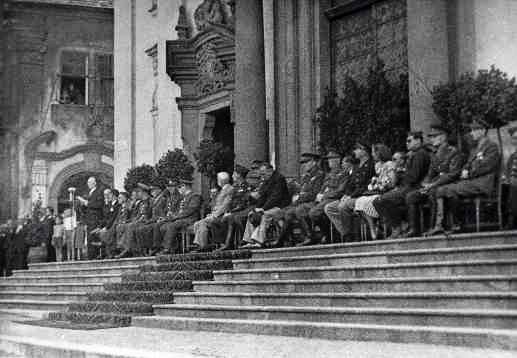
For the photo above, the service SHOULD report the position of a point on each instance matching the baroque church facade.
(95, 87)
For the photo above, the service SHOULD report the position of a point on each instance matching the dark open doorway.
(223, 130)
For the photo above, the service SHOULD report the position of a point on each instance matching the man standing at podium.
(93, 204)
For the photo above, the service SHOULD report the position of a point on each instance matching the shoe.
(453, 230)
(409, 234)
(437, 230)
(154, 252)
(324, 240)
(164, 252)
(306, 242)
(124, 254)
(224, 248)
(252, 246)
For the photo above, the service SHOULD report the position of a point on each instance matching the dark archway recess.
(78, 181)
(223, 127)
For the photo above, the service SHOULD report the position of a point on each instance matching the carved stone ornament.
(183, 28)
(214, 12)
(213, 73)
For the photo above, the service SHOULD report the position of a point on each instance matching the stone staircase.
(460, 290)
(52, 286)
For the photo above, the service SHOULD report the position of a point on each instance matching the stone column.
(251, 134)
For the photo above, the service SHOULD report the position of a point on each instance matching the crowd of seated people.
(259, 207)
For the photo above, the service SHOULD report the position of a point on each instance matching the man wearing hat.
(511, 180)
(143, 213)
(240, 206)
(188, 213)
(391, 206)
(340, 212)
(332, 188)
(144, 231)
(444, 168)
(477, 177)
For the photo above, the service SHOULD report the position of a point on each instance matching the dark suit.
(444, 168)
(188, 213)
(142, 215)
(93, 211)
(511, 176)
(482, 165)
(391, 206)
(144, 231)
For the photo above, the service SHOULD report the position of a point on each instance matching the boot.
(413, 222)
(438, 226)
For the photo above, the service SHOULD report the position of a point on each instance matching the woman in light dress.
(383, 181)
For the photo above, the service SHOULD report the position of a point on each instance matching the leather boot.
(413, 221)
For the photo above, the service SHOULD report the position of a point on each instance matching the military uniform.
(511, 176)
(142, 215)
(144, 231)
(444, 168)
(188, 213)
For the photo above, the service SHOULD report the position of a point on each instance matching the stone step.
(438, 335)
(413, 284)
(189, 266)
(116, 307)
(385, 257)
(449, 300)
(66, 265)
(205, 256)
(51, 287)
(427, 269)
(157, 297)
(167, 276)
(33, 304)
(480, 318)
(118, 270)
(174, 285)
(467, 239)
(120, 320)
(43, 296)
(104, 278)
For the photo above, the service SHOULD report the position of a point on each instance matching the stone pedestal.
(251, 133)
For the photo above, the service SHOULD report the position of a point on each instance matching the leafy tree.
(489, 96)
(173, 165)
(375, 110)
(144, 173)
(213, 157)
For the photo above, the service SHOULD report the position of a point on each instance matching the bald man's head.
(92, 183)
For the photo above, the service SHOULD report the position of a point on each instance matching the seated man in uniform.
(221, 205)
(444, 168)
(332, 189)
(143, 213)
(109, 214)
(188, 213)
(240, 206)
(477, 178)
(109, 236)
(144, 232)
(301, 202)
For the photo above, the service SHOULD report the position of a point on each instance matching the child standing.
(58, 238)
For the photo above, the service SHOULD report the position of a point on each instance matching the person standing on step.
(477, 178)
(221, 206)
(188, 213)
(143, 213)
(511, 180)
(93, 204)
(391, 206)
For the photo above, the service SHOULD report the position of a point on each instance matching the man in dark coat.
(109, 236)
(477, 177)
(6, 237)
(93, 204)
(340, 212)
(272, 197)
(391, 206)
(144, 232)
(188, 214)
(110, 212)
(143, 214)
(511, 179)
(445, 167)
(240, 206)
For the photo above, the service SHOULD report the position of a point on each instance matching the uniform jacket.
(335, 183)
(274, 192)
(483, 159)
(359, 179)
(241, 198)
(143, 211)
(445, 166)
(124, 214)
(173, 203)
(189, 207)
(417, 166)
(110, 213)
(310, 185)
(511, 166)
(222, 201)
(159, 206)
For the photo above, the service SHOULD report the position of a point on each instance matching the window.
(74, 72)
(83, 84)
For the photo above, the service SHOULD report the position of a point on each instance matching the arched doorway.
(223, 129)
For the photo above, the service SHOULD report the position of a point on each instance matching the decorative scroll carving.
(214, 12)
(183, 27)
(213, 73)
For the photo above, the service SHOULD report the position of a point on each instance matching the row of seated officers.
(261, 209)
